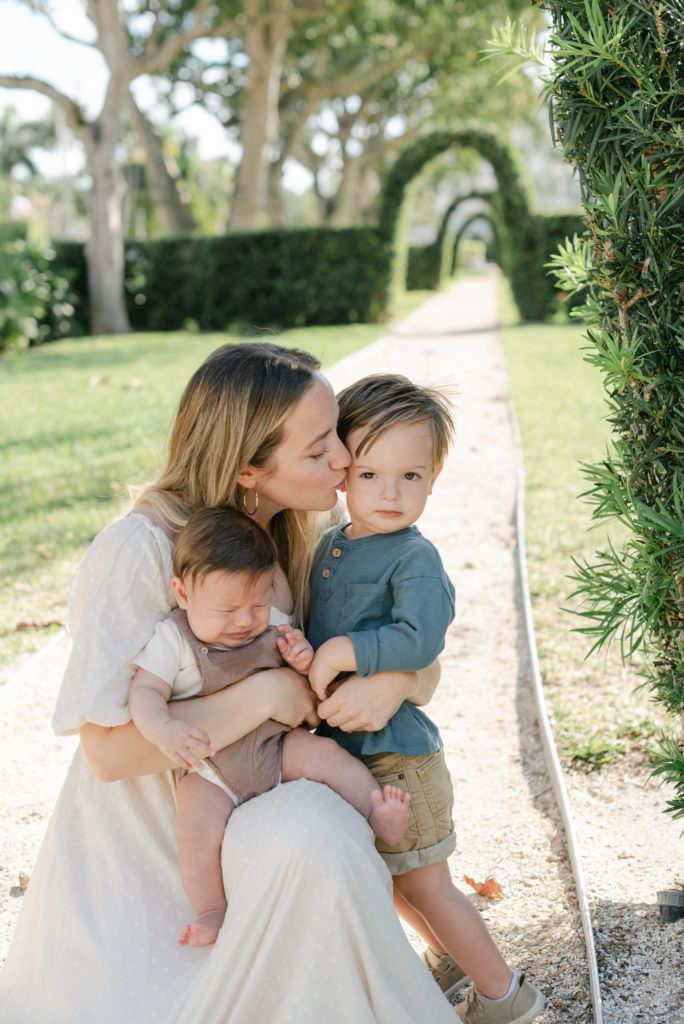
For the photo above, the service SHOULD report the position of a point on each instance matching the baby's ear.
(434, 476)
(181, 591)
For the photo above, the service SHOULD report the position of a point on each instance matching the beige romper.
(251, 765)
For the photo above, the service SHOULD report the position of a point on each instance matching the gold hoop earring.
(250, 512)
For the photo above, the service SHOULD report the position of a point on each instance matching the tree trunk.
(266, 46)
(105, 245)
(276, 210)
(173, 211)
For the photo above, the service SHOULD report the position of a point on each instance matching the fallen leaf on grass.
(36, 625)
(488, 888)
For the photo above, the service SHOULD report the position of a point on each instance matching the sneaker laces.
(474, 1007)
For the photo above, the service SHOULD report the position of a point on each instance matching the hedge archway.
(524, 239)
(458, 236)
(430, 266)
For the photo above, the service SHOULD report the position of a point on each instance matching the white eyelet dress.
(310, 934)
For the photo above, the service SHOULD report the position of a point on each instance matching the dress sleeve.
(119, 594)
(422, 608)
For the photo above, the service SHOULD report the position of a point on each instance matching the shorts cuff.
(400, 863)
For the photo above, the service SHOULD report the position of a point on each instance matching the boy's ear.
(434, 476)
(181, 591)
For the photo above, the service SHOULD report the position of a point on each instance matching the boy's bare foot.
(389, 814)
(204, 931)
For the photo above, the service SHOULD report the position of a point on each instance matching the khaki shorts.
(430, 836)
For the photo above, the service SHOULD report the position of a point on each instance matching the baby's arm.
(294, 648)
(180, 742)
(334, 656)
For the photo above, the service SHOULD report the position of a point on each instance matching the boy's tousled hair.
(221, 539)
(384, 400)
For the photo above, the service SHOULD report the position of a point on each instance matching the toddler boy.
(381, 601)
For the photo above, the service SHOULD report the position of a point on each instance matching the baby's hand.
(333, 657)
(183, 744)
(295, 648)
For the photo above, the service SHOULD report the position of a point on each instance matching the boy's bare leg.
(457, 925)
(320, 759)
(416, 921)
(202, 813)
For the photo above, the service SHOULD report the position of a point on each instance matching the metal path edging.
(549, 746)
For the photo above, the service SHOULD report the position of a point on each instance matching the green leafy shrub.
(36, 301)
(616, 92)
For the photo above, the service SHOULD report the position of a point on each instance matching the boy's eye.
(411, 476)
(368, 476)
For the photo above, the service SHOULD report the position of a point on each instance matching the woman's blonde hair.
(230, 415)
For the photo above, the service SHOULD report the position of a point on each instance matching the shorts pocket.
(436, 784)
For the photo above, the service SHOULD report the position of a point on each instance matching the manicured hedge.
(535, 291)
(281, 278)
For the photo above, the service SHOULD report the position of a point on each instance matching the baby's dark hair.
(383, 400)
(221, 539)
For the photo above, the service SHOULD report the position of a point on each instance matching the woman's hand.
(367, 704)
(295, 701)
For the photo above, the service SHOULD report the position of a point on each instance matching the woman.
(310, 933)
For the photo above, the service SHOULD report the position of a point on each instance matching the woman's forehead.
(314, 416)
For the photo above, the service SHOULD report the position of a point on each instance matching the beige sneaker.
(522, 1006)
(446, 972)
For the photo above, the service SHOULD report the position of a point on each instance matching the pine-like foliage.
(617, 99)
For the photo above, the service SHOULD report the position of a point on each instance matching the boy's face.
(388, 485)
(226, 609)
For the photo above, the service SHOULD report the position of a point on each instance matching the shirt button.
(325, 573)
(205, 650)
(336, 552)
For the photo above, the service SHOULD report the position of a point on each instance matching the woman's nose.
(339, 456)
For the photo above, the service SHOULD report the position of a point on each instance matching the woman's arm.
(367, 704)
(425, 684)
(121, 752)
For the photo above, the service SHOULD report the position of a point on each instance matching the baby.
(224, 568)
(381, 601)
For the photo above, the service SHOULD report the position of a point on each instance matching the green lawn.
(81, 421)
(561, 411)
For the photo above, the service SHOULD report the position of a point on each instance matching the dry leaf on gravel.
(489, 888)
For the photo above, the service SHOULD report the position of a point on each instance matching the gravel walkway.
(507, 822)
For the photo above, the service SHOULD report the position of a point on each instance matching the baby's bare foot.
(204, 931)
(389, 814)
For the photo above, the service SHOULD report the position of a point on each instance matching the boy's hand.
(334, 656)
(183, 744)
(295, 648)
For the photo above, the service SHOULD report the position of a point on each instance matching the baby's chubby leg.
(203, 811)
(320, 759)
